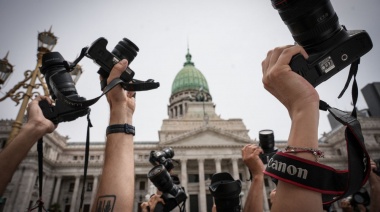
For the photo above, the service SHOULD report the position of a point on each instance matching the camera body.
(163, 157)
(337, 53)
(315, 26)
(226, 192)
(125, 49)
(60, 82)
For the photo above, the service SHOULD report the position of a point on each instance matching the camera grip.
(301, 66)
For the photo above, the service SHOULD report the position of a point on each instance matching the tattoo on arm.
(105, 203)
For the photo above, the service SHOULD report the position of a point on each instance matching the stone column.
(75, 194)
(184, 180)
(57, 189)
(218, 166)
(235, 169)
(48, 190)
(25, 189)
(202, 185)
(94, 188)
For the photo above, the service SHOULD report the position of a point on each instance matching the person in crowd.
(250, 155)
(302, 103)
(17, 149)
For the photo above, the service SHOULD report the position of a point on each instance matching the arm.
(374, 181)
(255, 198)
(116, 187)
(302, 103)
(12, 155)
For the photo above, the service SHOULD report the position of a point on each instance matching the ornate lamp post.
(46, 43)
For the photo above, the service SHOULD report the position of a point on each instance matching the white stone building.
(203, 144)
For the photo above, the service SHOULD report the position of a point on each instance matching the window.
(142, 185)
(75, 157)
(71, 187)
(92, 157)
(193, 178)
(89, 186)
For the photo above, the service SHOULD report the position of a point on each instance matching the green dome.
(189, 78)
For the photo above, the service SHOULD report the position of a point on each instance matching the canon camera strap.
(333, 184)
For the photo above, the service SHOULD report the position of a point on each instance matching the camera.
(69, 105)
(226, 192)
(360, 197)
(60, 82)
(266, 142)
(163, 157)
(172, 194)
(331, 47)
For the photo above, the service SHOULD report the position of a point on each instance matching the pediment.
(207, 136)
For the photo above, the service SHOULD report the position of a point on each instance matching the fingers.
(117, 70)
(288, 52)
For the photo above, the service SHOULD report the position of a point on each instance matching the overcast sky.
(227, 39)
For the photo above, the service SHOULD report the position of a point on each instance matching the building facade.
(203, 144)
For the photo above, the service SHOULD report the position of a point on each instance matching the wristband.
(120, 128)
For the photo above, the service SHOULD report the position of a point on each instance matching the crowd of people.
(116, 188)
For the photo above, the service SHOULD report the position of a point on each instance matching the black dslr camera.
(331, 47)
(172, 193)
(226, 192)
(69, 106)
(60, 84)
(266, 143)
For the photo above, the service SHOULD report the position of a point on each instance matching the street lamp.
(6, 69)
(46, 43)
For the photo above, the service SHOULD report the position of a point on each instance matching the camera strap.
(331, 183)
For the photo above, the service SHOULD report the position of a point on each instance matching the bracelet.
(120, 128)
(316, 152)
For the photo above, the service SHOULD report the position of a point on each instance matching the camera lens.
(310, 22)
(266, 138)
(160, 178)
(54, 71)
(125, 49)
(225, 191)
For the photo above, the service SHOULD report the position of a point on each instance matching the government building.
(203, 143)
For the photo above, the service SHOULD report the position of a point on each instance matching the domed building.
(202, 141)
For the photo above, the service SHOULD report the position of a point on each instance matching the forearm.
(304, 129)
(375, 195)
(304, 133)
(117, 181)
(255, 198)
(16, 151)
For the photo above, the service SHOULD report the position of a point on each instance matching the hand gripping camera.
(331, 47)
(69, 105)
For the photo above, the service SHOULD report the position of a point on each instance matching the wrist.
(36, 129)
(120, 116)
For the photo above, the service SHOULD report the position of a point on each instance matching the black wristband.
(120, 128)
